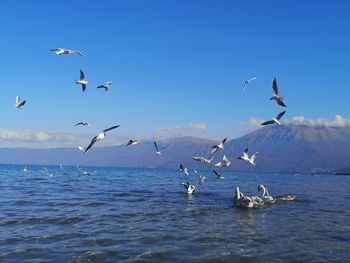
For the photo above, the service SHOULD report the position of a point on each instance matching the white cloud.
(337, 121)
(179, 130)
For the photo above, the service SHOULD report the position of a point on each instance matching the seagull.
(25, 170)
(61, 167)
(82, 81)
(267, 198)
(132, 142)
(84, 123)
(225, 162)
(64, 51)
(276, 95)
(19, 103)
(183, 169)
(245, 157)
(201, 178)
(217, 147)
(189, 187)
(203, 160)
(106, 86)
(219, 176)
(247, 82)
(99, 137)
(157, 149)
(275, 120)
(82, 173)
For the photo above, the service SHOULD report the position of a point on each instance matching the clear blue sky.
(171, 63)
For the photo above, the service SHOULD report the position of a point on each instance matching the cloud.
(179, 130)
(337, 121)
(35, 136)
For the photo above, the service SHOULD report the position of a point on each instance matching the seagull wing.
(79, 123)
(93, 141)
(253, 78)
(268, 122)
(225, 159)
(224, 140)
(18, 100)
(22, 103)
(83, 86)
(281, 103)
(111, 128)
(129, 142)
(78, 52)
(156, 146)
(252, 159)
(82, 75)
(181, 167)
(245, 85)
(274, 86)
(102, 87)
(279, 116)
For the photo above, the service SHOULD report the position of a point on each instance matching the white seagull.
(225, 162)
(276, 120)
(203, 160)
(201, 178)
(218, 176)
(267, 198)
(82, 81)
(25, 170)
(278, 97)
(84, 123)
(183, 169)
(105, 86)
(132, 142)
(19, 103)
(217, 147)
(247, 82)
(189, 187)
(64, 51)
(245, 157)
(158, 151)
(99, 137)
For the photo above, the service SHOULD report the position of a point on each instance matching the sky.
(177, 67)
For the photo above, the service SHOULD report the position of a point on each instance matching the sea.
(49, 214)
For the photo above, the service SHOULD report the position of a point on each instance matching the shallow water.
(143, 215)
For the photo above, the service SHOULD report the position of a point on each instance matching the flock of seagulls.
(240, 200)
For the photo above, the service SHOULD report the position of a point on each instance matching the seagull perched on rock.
(203, 160)
(19, 103)
(225, 162)
(106, 86)
(218, 176)
(217, 147)
(247, 82)
(245, 157)
(278, 97)
(183, 169)
(132, 142)
(189, 187)
(276, 120)
(64, 51)
(84, 123)
(82, 81)
(99, 137)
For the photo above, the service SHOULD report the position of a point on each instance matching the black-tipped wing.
(111, 128)
(181, 167)
(79, 123)
(224, 140)
(102, 87)
(82, 75)
(22, 103)
(279, 116)
(268, 122)
(83, 86)
(93, 141)
(129, 142)
(281, 103)
(216, 173)
(156, 146)
(274, 86)
(245, 151)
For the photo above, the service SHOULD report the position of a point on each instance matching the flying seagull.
(247, 82)
(218, 176)
(19, 103)
(84, 123)
(245, 157)
(217, 147)
(99, 137)
(203, 160)
(64, 51)
(278, 97)
(25, 170)
(276, 120)
(132, 142)
(183, 169)
(157, 149)
(106, 86)
(225, 162)
(82, 81)
(201, 178)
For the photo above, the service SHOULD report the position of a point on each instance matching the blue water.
(143, 215)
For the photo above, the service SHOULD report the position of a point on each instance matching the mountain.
(285, 148)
